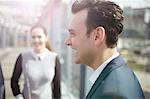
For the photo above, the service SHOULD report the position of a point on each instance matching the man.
(93, 34)
(2, 87)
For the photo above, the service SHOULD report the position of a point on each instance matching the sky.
(133, 3)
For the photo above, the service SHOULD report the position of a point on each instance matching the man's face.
(38, 39)
(78, 39)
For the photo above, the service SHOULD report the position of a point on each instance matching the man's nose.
(68, 42)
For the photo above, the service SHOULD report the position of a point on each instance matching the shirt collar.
(98, 71)
(40, 56)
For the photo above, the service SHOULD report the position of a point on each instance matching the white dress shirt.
(98, 71)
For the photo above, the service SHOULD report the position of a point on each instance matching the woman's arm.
(57, 80)
(16, 75)
(2, 85)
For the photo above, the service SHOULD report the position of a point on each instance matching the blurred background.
(17, 17)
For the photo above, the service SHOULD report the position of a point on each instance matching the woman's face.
(38, 39)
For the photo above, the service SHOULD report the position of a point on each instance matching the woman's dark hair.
(45, 32)
(102, 13)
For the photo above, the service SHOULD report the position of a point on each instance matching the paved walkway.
(144, 79)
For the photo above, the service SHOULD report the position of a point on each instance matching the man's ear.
(99, 36)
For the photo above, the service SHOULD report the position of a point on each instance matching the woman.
(40, 67)
(2, 85)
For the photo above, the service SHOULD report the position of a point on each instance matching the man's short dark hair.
(102, 13)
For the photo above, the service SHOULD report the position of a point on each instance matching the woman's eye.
(33, 37)
(39, 37)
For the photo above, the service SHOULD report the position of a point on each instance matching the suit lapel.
(115, 63)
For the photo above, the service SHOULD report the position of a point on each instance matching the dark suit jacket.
(117, 81)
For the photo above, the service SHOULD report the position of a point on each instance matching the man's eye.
(72, 34)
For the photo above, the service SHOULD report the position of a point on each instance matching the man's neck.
(103, 56)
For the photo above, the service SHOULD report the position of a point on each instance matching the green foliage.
(136, 66)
